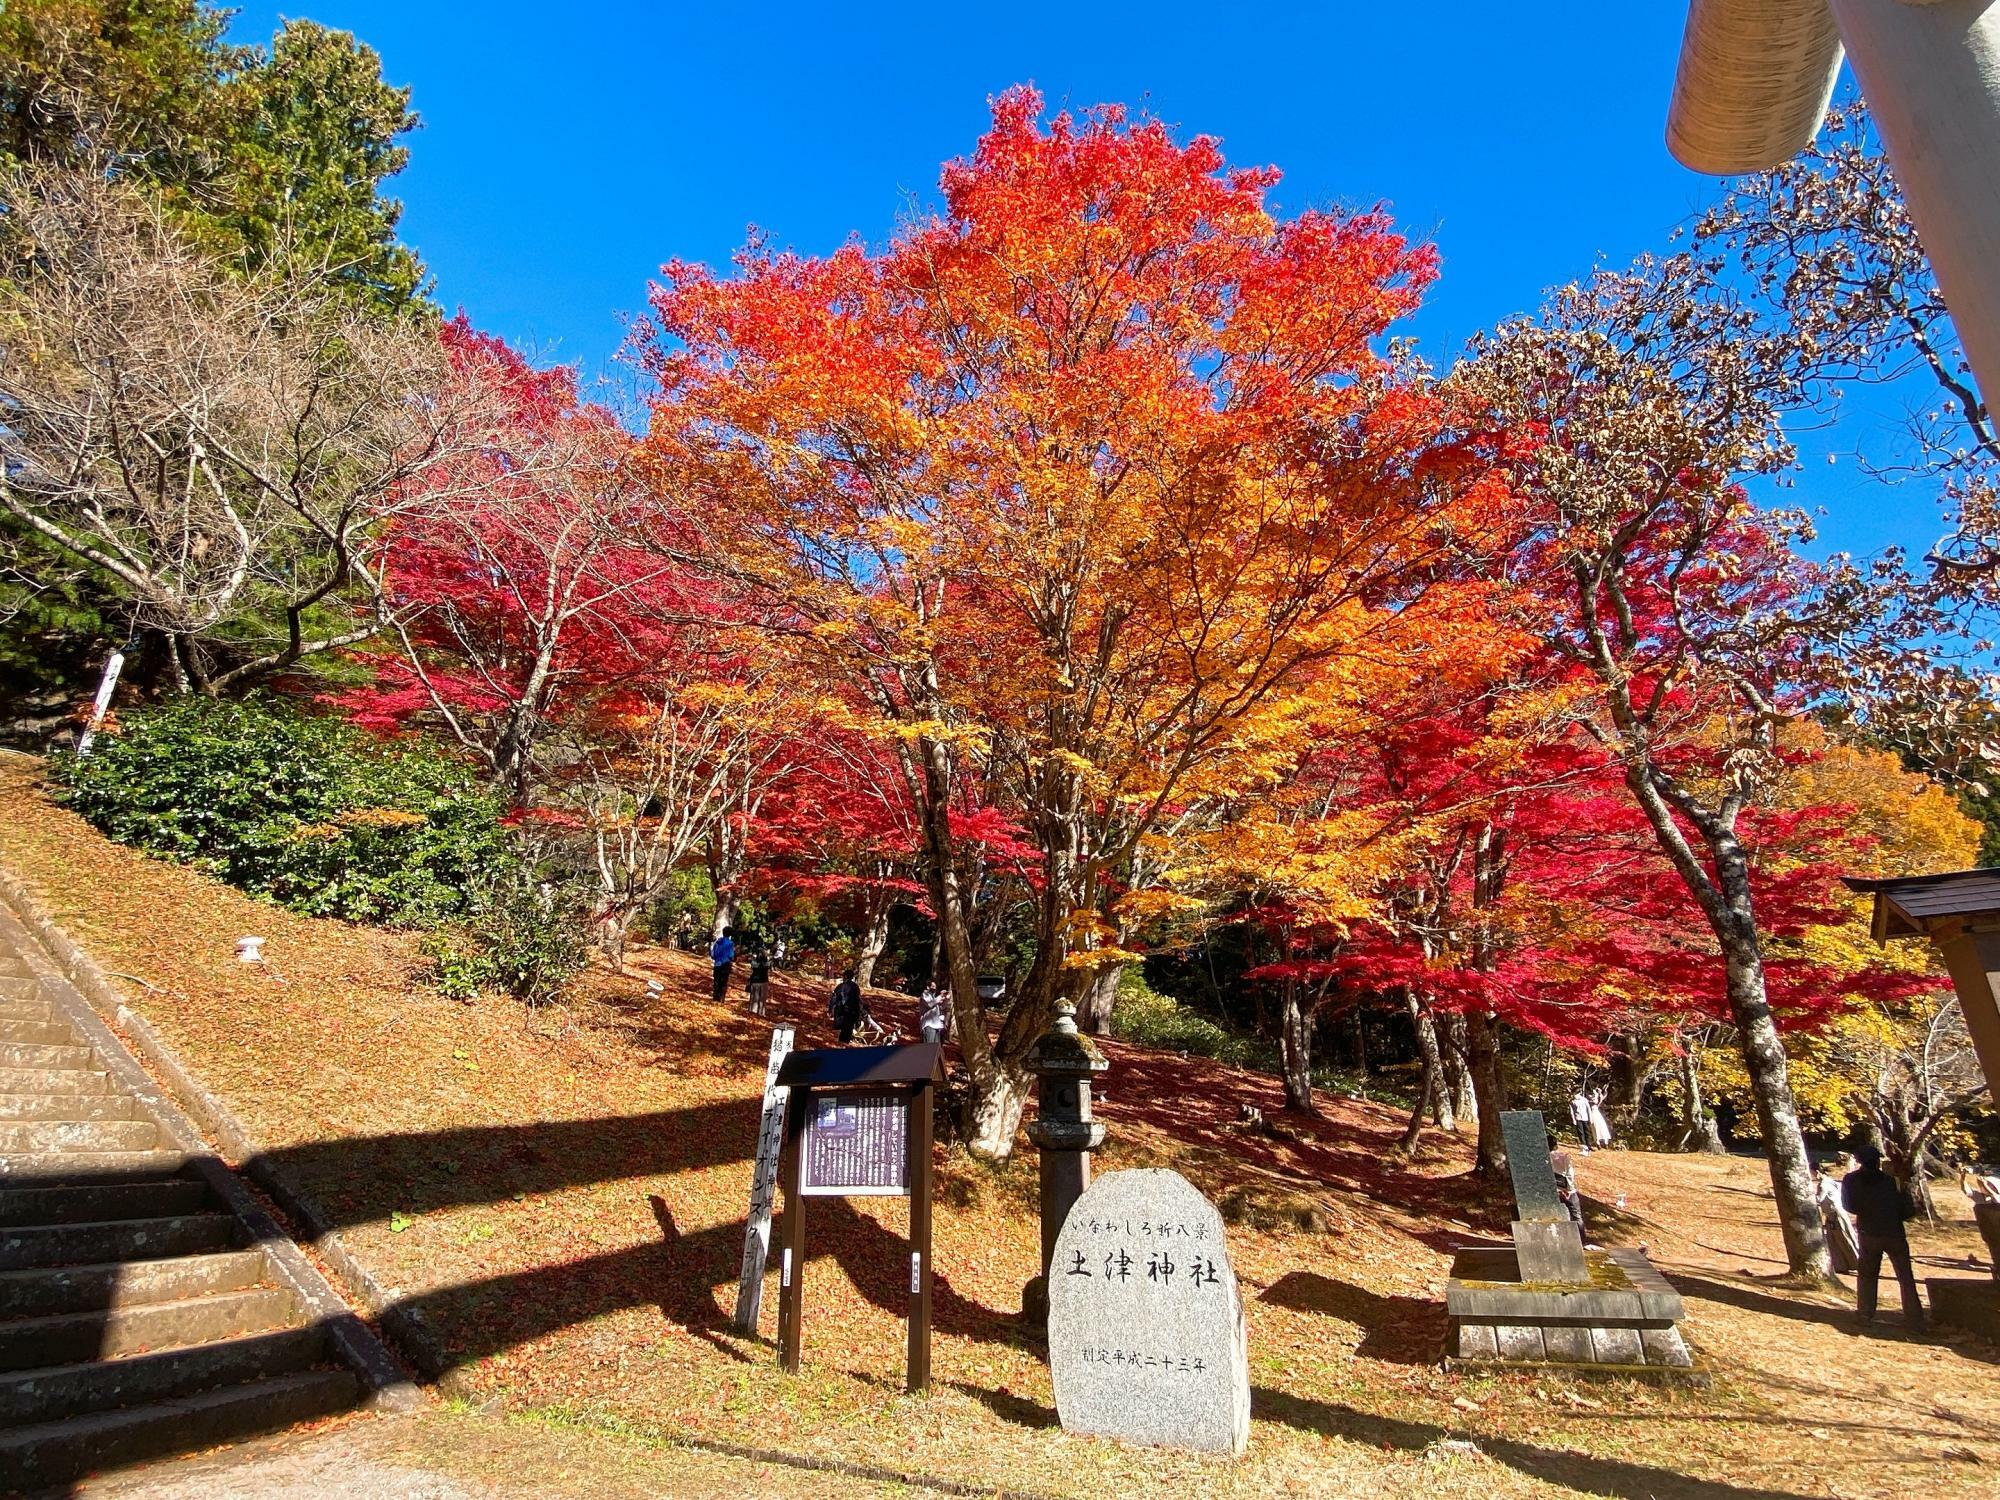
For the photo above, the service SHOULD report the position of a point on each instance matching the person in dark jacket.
(721, 954)
(845, 1007)
(1877, 1202)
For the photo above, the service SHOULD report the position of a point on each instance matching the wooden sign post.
(858, 1124)
(763, 1189)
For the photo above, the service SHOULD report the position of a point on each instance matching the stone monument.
(1146, 1332)
(1063, 1131)
(1545, 1299)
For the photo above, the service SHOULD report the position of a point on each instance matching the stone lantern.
(1063, 1130)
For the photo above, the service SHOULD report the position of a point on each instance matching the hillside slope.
(560, 1198)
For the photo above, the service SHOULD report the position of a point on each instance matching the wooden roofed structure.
(1959, 912)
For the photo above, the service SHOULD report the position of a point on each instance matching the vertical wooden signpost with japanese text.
(858, 1124)
(763, 1189)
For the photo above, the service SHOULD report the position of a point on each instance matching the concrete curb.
(79, 988)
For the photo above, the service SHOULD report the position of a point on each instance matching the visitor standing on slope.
(1879, 1206)
(760, 979)
(722, 953)
(931, 1014)
(1579, 1117)
(1838, 1224)
(845, 1006)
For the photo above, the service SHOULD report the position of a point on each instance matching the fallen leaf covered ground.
(561, 1197)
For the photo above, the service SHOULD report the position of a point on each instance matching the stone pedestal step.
(70, 1338)
(68, 1107)
(56, 1452)
(46, 1291)
(45, 1394)
(42, 1055)
(41, 1169)
(25, 1245)
(54, 1081)
(167, 1198)
(50, 1032)
(78, 1135)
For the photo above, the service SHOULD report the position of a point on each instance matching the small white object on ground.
(250, 950)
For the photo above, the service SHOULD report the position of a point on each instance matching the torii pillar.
(1960, 914)
(1755, 78)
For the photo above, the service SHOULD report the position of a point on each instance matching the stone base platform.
(1966, 1303)
(1622, 1321)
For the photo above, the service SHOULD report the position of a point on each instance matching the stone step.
(46, 1169)
(51, 1032)
(46, 1394)
(20, 986)
(68, 1107)
(169, 1198)
(26, 1010)
(54, 1081)
(105, 1333)
(78, 1135)
(117, 1239)
(43, 1055)
(44, 1291)
(55, 1453)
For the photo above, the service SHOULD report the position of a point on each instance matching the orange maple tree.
(1095, 493)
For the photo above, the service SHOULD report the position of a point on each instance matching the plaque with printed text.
(857, 1145)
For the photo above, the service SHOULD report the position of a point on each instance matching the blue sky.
(568, 150)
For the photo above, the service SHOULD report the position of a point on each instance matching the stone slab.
(1477, 1341)
(1568, 1343)
(1962, 1303)
(1616, 1346)
(1665, 1346)
(1485, 1283)
(1527, 1137)
(1550, 1253)
(1147, 1340)
(1520, 1342)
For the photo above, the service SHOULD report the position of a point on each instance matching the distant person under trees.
(722, 954)
(1579, 1117)
(760, 979)
(1879, 1206)
(846, 1007)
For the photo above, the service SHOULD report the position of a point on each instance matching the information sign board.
(857, 1145)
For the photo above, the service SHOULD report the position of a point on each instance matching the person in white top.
(930, 1013)
(1579, 1117)
(1843, 1248)
(1600, 1128)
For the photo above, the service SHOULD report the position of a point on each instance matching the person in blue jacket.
(722, 953)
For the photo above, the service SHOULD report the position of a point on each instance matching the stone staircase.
(142, 1311)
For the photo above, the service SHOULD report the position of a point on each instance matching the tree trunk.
(1626, 1067)
(1777, 1115)
(1455, 1097)
(995, 1114)
(1295, 1045)
(1431, 1091)
(1094, 1015)
(873, 941)
(1489, 1089)
(1700, 1134)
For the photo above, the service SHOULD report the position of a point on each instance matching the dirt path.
(459, 1455)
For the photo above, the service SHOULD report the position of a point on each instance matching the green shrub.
(306, 811)
(524, 936)
(1142, 1014)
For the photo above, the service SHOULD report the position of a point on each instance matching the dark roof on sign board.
(1905, 905)
(830, 1067)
